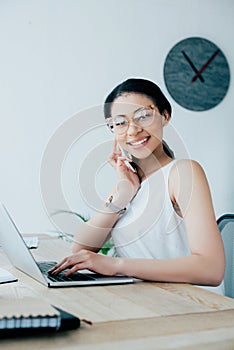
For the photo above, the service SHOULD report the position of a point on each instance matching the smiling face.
(140, 141)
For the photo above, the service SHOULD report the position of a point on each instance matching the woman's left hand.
(86, 259)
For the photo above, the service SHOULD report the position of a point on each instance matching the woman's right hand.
(128, 181)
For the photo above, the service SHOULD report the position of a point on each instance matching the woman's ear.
(166, 117)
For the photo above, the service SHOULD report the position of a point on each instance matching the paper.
(31, 242)
(6, 276)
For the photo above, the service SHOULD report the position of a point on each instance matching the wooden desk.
(134, 316)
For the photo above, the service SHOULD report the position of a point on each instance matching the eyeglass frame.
(152, 106)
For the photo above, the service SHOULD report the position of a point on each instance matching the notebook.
(28, 316)
(20, 256)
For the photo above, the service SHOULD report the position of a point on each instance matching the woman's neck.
(152, 163)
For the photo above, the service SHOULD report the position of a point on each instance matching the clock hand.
(193, 67)
(205, 66)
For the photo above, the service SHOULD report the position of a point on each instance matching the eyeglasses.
(142, 117)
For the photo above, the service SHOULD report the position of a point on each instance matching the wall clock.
(196, 74)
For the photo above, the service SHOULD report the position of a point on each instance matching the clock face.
(196, 74)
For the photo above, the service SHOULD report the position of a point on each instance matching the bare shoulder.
(185, 167)
(185, 173)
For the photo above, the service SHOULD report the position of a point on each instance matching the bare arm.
(93, 234)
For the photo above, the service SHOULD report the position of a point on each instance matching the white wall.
(59, 57)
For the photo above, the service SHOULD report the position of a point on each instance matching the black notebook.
(30, 316)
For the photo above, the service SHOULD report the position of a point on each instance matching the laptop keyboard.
(45, 266)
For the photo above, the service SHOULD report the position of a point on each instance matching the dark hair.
(138, 86)
(143, 87)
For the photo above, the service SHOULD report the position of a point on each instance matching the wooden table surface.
(133, 316)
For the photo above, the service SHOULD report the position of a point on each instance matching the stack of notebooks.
(30, 316)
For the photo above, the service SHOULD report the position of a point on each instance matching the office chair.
(226, 227)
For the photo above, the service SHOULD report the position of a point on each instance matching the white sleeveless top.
(151, 228)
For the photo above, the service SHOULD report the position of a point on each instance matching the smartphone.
(126, 162)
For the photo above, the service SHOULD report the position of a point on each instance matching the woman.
(160, 213)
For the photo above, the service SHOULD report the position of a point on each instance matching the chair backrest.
(226, 227)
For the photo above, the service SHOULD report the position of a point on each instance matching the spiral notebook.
(28, 316)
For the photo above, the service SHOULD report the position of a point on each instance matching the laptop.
(20, 256)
